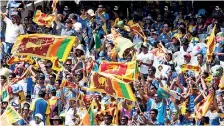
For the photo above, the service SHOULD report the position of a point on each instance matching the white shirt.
(144, 58)
(69, 116)
(12, 31)
(77, 26)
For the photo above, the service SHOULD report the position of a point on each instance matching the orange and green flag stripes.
(211, 45)
(89, 117)
(44, 46)
(43, 19)
(124, 71)
(107, 83)
(190, 67)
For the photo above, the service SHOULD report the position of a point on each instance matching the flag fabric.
(221, 83)
(43, 19)
(107, 83)
(4, 121)
(202, 107)
(163, 92)
(190, 67)
(57, 66)
(12, 115)
(121, 44)
(211, 45)
(136, 28)
(62, 113)
(44, 46)
(183, 108)
(68, 84)
(5, 94)
(116, 116)
(54, 5)
(89, 118)
(14, 59)
(97, 40)
(52, 102)
(124, 71)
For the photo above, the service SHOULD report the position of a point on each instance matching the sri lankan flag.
(14, 59)
(190, 67)
(124, 71)
(136, 28)
(202, 107)
(107, 83)
(68, 84)
(211, 45)
(11, 114)
(44, 46)
(89, 118)
(43, 19)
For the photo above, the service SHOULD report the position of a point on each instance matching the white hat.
(39, 115)
(90, 12)
(80, 47)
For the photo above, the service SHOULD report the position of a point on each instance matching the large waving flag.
(11, 114)
(107, 83)
(44, 46)
(211, 45)
(202, 107)
(124, 71)
(43, 19)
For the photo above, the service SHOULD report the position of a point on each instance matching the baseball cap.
(91, 12)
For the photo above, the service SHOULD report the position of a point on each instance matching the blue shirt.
(163, 37)
(39, 105)
(105, 16)
(83, 22)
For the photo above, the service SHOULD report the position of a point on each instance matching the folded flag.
(57, 66)
(211, 45)
(190, 67)
(202, 107)
(107, 83)
(125, 71)
(68, 84)
(43, 19)
(12, 115)
(44, 46)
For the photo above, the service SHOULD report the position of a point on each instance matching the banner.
(43, 19)
(12, 115)
(106, 83)
(211, 45)
(124, 71)
(44, 46)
